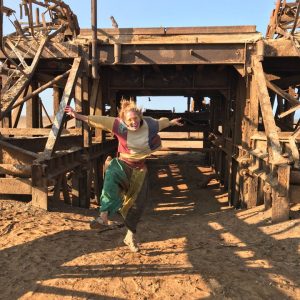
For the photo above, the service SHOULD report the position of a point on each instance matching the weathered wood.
(8, 186)
(290, 111)
(37, 131)
(16, 170)
(39, 187)
(282, 93)
(185, 35)
(267, 113)
(174, 53)
(283, 136)
(33, 108)
(78, 94)
(16, 113)
(17, 151)
(12, 95)
(251, 127)
(94, 96)
(280, 203)
(27, 48)
(66, 98)
(280, 48)
(42, 88)
(16, 51)
(40, 197)
(87, 138)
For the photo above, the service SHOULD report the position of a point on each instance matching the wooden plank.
(282, 93)
(290, 111)
(17, 150)
(267, 113)
(59, 118)
(16, 51)
(283, 136)
(173, 30)
(280, 203)
(211, 30)
(8, 186)
(280, 48)
(37, 131)
(16, 170)
(27, 48)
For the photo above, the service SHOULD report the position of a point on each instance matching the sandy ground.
(192, 247)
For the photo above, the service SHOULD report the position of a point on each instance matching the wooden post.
(250, 128)
(39, 187)
(80, 187)
(78, 99)
(87, 138)
(57, 94)
(280, 203)
(33, 108)
(98, 177)
(280, 170)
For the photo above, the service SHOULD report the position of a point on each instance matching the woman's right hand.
(70, 111)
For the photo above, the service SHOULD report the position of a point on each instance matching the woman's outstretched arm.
(72, 113)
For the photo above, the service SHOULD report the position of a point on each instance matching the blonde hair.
(128, 105)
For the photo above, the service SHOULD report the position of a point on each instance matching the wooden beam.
(59, 118)
(280, 203)
(290, 111)
(42, 88)
(267, 113)
(87, 137)
(37, 131)
(8, 186)
(281, 93)
(18, 150)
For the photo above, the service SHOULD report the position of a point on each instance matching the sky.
(167, 13)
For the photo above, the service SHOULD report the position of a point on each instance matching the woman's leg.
(115, 181)
(133, 216)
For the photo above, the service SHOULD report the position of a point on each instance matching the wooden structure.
(248, 125)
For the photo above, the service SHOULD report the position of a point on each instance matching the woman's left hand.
(177, 122)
